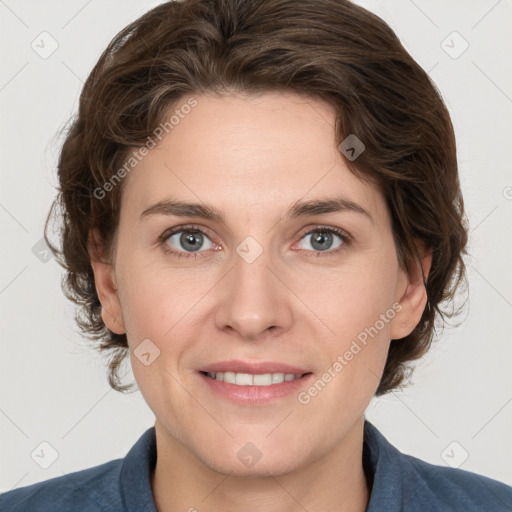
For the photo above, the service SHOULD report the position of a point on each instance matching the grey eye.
(322, 239)
(189, 240)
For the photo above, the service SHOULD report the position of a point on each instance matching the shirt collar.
(136, 471)
(380, 461)
(384, 469)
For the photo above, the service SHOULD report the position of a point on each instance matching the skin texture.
(253, 157)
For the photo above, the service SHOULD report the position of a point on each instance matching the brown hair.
(330, 50)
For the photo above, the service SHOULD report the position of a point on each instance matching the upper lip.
(253, 367)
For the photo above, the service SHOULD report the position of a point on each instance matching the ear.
(106, 285)
(412, 295)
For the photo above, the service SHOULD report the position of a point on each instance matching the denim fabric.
(405, 483)
(398, 482)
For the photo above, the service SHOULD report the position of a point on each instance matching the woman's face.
(252, 286)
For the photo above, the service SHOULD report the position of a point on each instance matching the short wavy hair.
(328, 50)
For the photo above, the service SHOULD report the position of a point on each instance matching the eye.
(187, 241)
(183, 242)
(322, 240)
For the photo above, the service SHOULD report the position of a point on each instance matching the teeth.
(247, 379)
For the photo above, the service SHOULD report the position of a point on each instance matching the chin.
(276, 466)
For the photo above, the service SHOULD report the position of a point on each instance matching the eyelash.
(345, 238)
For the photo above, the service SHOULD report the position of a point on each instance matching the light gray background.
(53, 388)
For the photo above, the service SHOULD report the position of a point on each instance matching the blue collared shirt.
(398, 482)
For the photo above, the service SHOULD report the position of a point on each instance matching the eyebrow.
(299, 209)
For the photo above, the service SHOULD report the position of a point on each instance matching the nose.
(253, 300)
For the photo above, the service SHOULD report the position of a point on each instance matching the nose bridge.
(252, 301)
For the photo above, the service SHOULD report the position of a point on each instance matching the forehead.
(245, 151)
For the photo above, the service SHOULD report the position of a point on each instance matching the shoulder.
(404, 482)
(92, 489)
(445, 488)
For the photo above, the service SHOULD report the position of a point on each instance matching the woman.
(261, 206)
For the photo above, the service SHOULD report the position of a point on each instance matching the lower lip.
(255, 395)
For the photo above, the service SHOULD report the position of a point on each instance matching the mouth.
(254, 389)
(254, 383)
(254, 379)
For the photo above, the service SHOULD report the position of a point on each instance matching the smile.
(254, 389)
(248, 379)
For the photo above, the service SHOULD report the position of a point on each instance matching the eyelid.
(185, 227)
(325, 227)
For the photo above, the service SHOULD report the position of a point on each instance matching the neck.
(333, 483)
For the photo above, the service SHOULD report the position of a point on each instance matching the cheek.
(156, 298)
(358, 314)
(353, 297)
(357, 304)
(158, 305)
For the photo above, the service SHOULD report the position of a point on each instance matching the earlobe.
(106, 286)
(412, 297)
